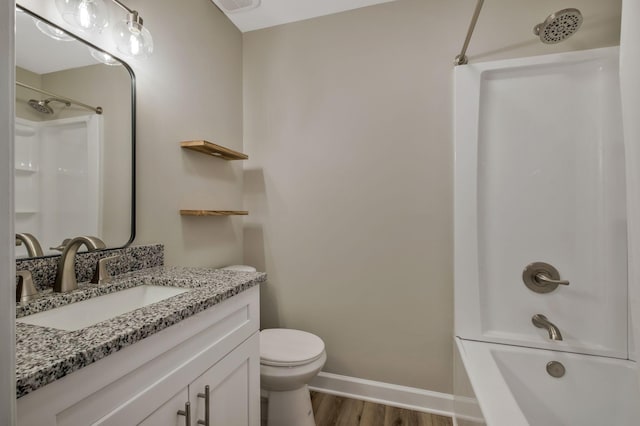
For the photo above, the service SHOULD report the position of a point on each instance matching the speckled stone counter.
(46, 354)
(133, 258)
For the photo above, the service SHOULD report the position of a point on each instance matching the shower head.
(43, 105)
(559, 26)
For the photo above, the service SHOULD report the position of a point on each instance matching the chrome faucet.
(541, 321)
(66, 275)
(30, 243)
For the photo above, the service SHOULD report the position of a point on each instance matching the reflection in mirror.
(74, 140)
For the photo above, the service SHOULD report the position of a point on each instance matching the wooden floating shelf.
(214, 212)
(211, 148)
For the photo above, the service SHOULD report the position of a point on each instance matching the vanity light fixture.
(131, 37)
(87, 15)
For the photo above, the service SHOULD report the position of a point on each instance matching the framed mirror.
(75, 140)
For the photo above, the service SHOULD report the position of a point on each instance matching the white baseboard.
(384, 393)
(468, 412)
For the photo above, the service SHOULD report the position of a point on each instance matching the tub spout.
(541, 321)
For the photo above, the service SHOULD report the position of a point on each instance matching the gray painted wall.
(7, 262)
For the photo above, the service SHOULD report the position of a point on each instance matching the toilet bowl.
(289, 360)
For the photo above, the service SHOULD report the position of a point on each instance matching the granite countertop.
(45, 354)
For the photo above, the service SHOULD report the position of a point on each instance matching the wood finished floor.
(330, 410)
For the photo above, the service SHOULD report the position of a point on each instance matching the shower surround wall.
(58, 179)
(540, 176)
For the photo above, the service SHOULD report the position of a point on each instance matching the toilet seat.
(280, 347)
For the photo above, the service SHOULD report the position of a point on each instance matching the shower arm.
(97, 110)
(462, 59)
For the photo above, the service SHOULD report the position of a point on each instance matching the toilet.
(289, 360)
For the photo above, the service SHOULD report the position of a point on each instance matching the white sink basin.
(92, 311)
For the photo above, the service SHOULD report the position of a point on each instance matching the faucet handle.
(62, 245)
(25, 290)
(95, 240)
(102, 276)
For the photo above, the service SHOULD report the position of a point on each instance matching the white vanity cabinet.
(229, 382)
(148, 382)
(233, 383)
(165, 415)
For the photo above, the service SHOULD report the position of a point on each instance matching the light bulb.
(132, 38)
(53, 32)
(67, 9)
(88, 15)
(104, 57)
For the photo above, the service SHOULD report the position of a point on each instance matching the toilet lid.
(241, 268)
(281, 346)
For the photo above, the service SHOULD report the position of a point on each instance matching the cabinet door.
(234, 388)
(167, 413)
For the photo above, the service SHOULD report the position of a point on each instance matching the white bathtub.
(513, 387)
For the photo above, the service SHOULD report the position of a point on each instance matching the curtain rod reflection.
(97, 110)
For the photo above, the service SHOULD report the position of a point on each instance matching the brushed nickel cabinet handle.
(186, 413)
(205, 395)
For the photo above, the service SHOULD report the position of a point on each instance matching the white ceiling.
(276, 12)
(41, 54)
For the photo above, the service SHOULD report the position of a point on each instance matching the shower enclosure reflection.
(57, 178)
(73, 147)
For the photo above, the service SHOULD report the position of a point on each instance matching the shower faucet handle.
(541, 277)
